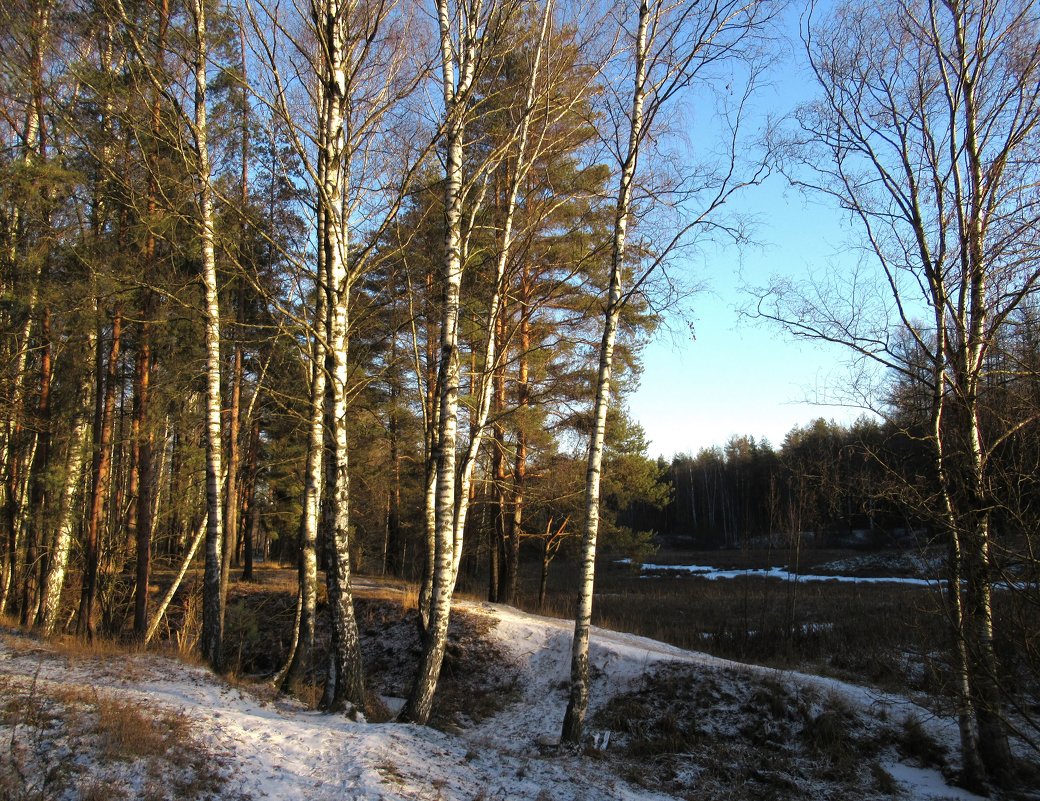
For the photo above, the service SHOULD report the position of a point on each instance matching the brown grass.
(41, 722)
(126, 732)
(696, 732)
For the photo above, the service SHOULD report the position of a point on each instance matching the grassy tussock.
(698, 733)
(63, 741)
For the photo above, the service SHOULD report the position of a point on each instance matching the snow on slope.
(279, 750)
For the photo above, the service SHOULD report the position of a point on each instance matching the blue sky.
(740, 377)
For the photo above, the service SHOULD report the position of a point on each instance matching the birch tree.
(345, 682)
(213, 598)
(361, 76)
(926, 132)
(22, 271)
(464, 52)
(669, 47)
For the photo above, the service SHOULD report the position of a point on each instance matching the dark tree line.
(826, 483)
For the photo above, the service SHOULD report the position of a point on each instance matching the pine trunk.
(103, 430)
(144, 440)
(251, 509)
(523, 392)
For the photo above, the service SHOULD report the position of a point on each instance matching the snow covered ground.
(273, 748)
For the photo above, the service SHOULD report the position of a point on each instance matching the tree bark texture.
(104, 426)
(345, 682)
(213, 599)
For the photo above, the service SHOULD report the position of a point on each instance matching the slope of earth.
(667, 724)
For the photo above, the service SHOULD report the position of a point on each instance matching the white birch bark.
(54, 581)
(32, 144)
(486, 376)
(189, 555)
(449, 489)
(302, 652)
(213, 600)
(443, 453)
(578, 704)
(345, 683)
(994, 747)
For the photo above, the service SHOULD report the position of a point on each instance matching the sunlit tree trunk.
(213, 598)
(53, 578)
(443, 452)
(523, 401)
(189, 554)
(452, 502)
(498, 580)
(345, 682)
(302, 656)
(16, 451)
(578, 704)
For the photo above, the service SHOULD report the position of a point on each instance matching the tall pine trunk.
(523, 399)
(104, 414)
(144, 440)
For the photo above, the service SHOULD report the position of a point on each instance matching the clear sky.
(739, 377)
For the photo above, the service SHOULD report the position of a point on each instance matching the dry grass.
(696, 733)
(64, 740)
(127, 733)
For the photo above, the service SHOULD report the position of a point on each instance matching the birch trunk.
(443, 451)
(58, 560)
(971, 766)
(12, 463)
(189, 555)
(994, 748)
(213, 598)
(452, 504)
(431, 410)
(578, 704)
(301, 660)
(144, 440)
(345, 683)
